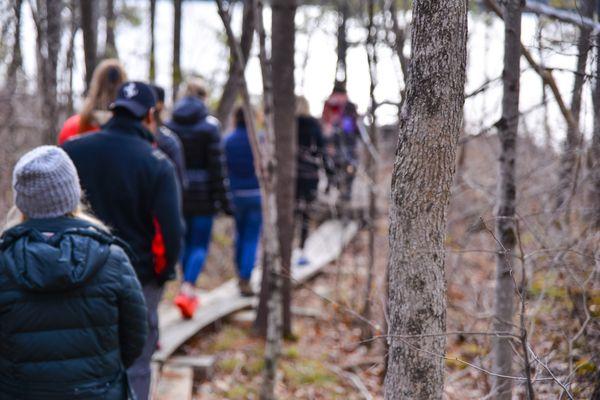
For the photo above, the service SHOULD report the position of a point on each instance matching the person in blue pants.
(206, 193)
(245, 191)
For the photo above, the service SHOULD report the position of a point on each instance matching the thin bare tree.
(266, 166)
(152, 67)
(570, 160)
(176, 70)
(594, 152)
(506, 199)
(231, 88)
(286, 142)
(110, 46)
(423, 173)
(47, 19)
(89, 27)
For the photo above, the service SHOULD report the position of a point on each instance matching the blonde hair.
(16, 217)
(108, 76)
(302, 107)
(196, 87)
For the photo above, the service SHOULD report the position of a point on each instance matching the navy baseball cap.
(136, 97)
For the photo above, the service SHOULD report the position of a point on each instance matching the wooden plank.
(322, 247)
(176, 383)
(202, 365)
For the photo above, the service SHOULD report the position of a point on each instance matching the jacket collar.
(128, 126)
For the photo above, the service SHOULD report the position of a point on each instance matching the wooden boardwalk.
(322, 247)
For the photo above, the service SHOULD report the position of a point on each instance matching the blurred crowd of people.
(80, 282)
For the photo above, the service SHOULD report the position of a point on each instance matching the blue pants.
(248, 220)
(197, 239)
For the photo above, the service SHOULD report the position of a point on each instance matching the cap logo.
(130, 90)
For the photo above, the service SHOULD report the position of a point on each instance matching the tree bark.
(110, 47)
(506, 199)
(286, 141)
(16, 61)
(594, 154)
(48, 29)
(341, 71)
(570, 160)
(71, 55)
(231, 88)
(89, 27)
(176, 80)
(422, 178)
(152, 67)
(366, 331)
(261, 323)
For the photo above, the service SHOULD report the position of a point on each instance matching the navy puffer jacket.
(200, 134)
(72, 313)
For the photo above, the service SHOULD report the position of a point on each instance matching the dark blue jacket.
(72, 313)
(207, 190)
(240, 163)
(169, 143)
(132, 187)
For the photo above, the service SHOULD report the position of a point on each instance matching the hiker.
(108, 76)
(206, 193)
(72, 312)
(245, 191)
(311, 159)
(132, 187)
(166, 139)
(340, 129)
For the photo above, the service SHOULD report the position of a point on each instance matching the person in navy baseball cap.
(136, 97)
(132, 187)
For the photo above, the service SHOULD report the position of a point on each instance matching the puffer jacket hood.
(189, 111)
(38, 258)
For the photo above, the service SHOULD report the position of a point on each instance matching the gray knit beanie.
(45, 183)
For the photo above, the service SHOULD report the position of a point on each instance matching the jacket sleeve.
(171, 145)
(219, 184)
(168, 219)
(133, 315)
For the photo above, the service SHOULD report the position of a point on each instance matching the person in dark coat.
(72, 312)
(246, 195)
(132, 187)
(311, 159)
(206, 193)
(167, 140)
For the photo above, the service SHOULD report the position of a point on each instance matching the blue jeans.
(197, 239)
(248, 221)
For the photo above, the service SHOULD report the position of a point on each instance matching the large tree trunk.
(48, 26)
(570, 160)
(286, 142)
(176, 47)
(89, 27)
(110, 47)
(152, 67)
(231, 88)
(506, 198)
(421, 182)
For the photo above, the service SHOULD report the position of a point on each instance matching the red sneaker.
(187, 305)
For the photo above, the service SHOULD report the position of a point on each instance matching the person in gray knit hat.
(45, 183)
(71, 305)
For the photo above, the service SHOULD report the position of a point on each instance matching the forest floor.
(328, 354)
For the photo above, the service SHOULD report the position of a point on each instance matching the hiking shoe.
(187, 305)
(245, 288)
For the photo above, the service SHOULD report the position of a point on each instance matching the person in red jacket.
(108, 77)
